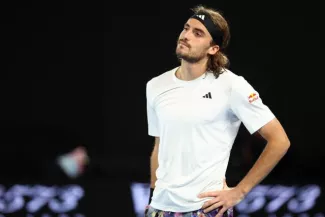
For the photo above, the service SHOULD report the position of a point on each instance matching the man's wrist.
(243, 190)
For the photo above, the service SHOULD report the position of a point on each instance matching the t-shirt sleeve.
(247, 105)
(151, 113)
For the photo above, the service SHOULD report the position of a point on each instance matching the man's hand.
(223, 199)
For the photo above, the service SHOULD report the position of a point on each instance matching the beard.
(189, 56)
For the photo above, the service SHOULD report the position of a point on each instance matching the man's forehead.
(194, 23)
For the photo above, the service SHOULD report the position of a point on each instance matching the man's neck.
(190, 71)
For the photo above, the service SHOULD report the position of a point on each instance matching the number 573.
(273, 197)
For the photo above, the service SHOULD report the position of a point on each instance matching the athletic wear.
(197, 122)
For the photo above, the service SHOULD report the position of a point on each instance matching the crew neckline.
(195, 80)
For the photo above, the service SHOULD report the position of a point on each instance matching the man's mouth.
(184, 44)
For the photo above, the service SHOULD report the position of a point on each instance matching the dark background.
(74, 73)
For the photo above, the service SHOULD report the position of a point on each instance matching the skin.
(193, 48)
(154, 163)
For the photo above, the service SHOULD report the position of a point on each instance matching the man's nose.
(186, 36)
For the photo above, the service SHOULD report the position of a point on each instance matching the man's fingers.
(209, 194)
(210, 202)
(220, 213)
(213, 206)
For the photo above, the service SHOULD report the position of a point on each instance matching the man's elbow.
(285, 144)
(280, 144)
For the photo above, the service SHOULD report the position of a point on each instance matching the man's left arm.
(277, 146)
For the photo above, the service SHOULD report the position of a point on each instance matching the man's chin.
(187, 58)
(181, 54)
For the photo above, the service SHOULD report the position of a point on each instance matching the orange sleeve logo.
(252, 97)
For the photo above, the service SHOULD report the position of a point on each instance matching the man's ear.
(213, 49)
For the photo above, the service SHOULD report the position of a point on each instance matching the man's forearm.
(153, 166)
(268, 159)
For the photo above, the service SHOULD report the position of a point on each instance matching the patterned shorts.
(152, 212)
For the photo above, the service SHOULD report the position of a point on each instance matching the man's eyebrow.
(195, 28)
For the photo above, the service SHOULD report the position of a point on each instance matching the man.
(194, 112)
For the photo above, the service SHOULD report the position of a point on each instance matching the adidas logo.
(208, 95)
(201, 16)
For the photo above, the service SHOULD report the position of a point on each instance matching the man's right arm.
(153, 167)
(154, 163)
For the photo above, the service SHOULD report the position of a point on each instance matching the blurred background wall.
(74, 73)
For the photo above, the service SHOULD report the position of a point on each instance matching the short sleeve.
(247, 105)
(151, 113)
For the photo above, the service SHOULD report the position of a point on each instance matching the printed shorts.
(152, 212)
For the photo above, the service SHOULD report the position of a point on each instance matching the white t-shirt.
(197, 122)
